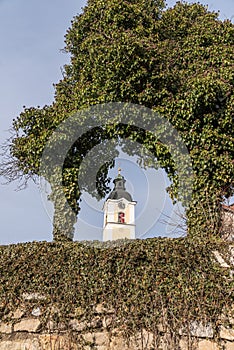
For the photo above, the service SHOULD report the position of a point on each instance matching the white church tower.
(119, 213)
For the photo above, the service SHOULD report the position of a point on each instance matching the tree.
(178, 62)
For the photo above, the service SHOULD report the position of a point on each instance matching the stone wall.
(228, 222)
(26, 329)
(36, 322)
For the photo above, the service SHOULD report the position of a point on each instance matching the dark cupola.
(119, 190)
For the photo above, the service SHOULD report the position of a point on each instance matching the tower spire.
(119, 212)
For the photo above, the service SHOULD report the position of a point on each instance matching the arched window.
(121, 217)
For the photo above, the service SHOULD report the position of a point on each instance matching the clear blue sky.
(32, 34)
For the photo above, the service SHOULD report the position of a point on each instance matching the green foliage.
(144, 282)
(178, 61)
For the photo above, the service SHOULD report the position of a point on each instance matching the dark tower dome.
(119, 190)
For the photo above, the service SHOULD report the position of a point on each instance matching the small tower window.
(121, 217)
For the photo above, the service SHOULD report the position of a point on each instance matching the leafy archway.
(63, 166)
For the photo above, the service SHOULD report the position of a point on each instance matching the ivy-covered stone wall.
(143, 294)
(22, 330)
(228, 222)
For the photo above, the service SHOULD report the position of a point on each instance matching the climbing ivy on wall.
(144, 282)
(177, 61)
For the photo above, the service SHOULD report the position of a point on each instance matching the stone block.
(143, 338)
(96, 322)
(56, 342)
(101, 338)
(198, 344)
(97, 338)
(50, 326)
(33, 296)
(118, 343)
(36, 312)
(226, 333)
(207, 345)
(183, 344)
(18, 313)
(106, 322)
(27, 325)
(88, 337)
(99, 309)
(77, 325)
(166, 342)
(197, 329)
(20, 344)
(5, 327)
(229, 346)
(160, 327)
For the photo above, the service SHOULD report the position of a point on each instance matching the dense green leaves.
(144, 282)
